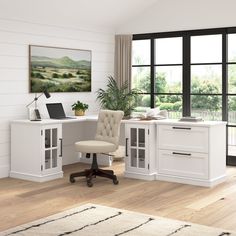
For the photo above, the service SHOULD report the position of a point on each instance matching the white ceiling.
(107, 14)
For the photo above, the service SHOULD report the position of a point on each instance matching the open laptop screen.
(55, 110)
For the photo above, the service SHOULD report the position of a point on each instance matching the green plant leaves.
(115, 98)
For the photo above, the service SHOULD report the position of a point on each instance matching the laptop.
(56, 111)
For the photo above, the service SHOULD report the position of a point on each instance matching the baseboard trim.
(197, 182)
(4, 171)
(148, 177)
(36, 178)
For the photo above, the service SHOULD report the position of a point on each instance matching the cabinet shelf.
(50, 148)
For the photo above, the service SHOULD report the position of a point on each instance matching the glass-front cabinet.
(138, 149)
(52, 148)
(36, 150)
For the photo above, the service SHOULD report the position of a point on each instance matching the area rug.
(91, 219)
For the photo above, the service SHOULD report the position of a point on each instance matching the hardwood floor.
(24, 201)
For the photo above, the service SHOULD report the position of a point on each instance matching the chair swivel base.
(93, 172)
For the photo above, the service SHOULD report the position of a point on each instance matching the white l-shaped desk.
(185, 152)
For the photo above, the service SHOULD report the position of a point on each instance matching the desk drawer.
(187, 138)
(184, 164)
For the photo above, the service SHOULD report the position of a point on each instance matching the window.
(163, 87)
(141, 72)
(206, 76)
(231, 98)
(206, 48)
(141, 52)
(189, 73)
(168, 75)
(169, 51)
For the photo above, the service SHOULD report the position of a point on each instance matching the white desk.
(39, 149)
(184, 152)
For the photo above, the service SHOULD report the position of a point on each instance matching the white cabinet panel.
(140, 151)
(51, 149)
(176, 137)
(192, 153)
(186, 164)
(137, 151)
(36, 151)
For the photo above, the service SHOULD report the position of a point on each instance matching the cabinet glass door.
(133, 137)
(47, 159)
(141, 138)
(137, 147)
(51, 148)
(141, 158)
(133, 157)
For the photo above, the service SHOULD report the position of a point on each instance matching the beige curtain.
(123, 56)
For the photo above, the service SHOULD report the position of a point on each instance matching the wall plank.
(14, 72)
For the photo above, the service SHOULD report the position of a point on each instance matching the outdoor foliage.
(174, 102)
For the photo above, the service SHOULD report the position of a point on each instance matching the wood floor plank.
(212, 197)
(24, 201)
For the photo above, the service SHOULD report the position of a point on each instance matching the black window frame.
(186, 83)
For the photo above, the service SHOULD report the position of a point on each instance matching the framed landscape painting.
(59, 69)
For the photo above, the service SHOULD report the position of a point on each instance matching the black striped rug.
(96, 220)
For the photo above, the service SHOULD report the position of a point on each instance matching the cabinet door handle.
(60, 147)
(126, 147)
(186, 128)
(181, 153)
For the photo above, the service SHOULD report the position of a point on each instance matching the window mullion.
(152, 89)
(224, 77)
(186, 76)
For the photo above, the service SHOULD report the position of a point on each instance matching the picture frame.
(58, 69)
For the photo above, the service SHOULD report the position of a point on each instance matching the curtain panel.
(123, 57)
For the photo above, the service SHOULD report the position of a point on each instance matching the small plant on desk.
(79, 108)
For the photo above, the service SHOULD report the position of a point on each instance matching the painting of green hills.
(59, 69)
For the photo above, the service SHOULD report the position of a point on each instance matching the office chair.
(106, 141)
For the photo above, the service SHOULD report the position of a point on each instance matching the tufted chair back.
(108, 126)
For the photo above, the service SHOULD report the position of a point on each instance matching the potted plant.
(79, 108)
(118, 98)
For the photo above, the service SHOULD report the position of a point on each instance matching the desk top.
(57, 121)
(130, 121)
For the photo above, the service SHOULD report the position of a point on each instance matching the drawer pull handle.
(126, 147)
(60, 147)
(181, 153)
(186, 128)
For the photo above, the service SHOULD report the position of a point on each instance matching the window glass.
(168, 79)
(143, 104)
(141, 79)
(171, 103)
(169, 50)
(232, 109)
(206, 49)
(232, 141)
(232, 48)
(209, 107)
(232, 78)
(141, 52)
(206, 79)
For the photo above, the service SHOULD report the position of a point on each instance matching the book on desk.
(191, 119)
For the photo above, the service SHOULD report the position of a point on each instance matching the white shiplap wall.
(15, 36)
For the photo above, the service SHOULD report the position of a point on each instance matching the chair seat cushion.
(94, 146)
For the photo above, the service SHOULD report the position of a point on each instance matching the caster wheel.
(72, 180)
(89, 184)
(115, 181)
